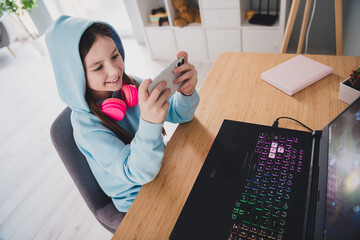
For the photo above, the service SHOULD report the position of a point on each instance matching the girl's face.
(103, 68)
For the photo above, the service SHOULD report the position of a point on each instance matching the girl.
(120, 139)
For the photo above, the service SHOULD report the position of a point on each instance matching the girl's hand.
(153, 107)
(189, 77)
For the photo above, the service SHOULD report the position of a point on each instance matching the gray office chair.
(4, 39)
(75, 162)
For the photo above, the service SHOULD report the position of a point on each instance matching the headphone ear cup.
(114, 108)
(130, 94)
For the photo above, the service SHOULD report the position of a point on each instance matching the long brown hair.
(86, 41)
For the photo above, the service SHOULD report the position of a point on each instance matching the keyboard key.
(264, 223)
(266, 179)
(257, 180)
(264, 185)
(262, 161)
(273, 185)
(235, 228)
(262, 192)
(277, 205)
(273, 224)
(280, 149)
(270, 199)
(287, 196)
(282, 184)
(271, 192)
(246, 191)
(272, 235)
(288, 160)
(259, 206)
(244, 226)
(284, 213)
(267, 214)
(282, 221)
(285, 205)
(247, 214)
(283, 178)
(281, 191)
(252, 200)
(276, 213)
(279, 198)
(269, 167)
(261, 199)
(242, 233)
(253, 192)
(267, 173)
(252, 236)
(232, 236)
(256, 217)
(268, 206)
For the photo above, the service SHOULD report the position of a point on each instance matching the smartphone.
(168, 75)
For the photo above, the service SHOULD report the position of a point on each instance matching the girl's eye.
(99, 68)
(115, 56)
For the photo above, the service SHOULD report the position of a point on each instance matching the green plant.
(354, 78)
(18, 7)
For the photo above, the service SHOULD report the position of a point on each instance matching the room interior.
(38, 198)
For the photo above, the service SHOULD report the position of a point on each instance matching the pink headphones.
(115, 107)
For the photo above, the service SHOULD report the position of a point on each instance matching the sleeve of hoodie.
(137, 163)
(182, 107)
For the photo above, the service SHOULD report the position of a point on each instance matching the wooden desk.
(232, 90)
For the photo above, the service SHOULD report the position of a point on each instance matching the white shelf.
(223, 28)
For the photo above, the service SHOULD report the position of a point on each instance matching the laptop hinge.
(310, 207)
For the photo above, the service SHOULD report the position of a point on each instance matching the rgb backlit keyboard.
(261, 212)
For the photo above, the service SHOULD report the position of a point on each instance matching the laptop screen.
(342, 218)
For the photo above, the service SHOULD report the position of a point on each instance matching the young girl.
(120, 139)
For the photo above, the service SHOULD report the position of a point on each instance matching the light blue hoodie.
(120, 169)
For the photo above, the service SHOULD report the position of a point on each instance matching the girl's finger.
(143, 89)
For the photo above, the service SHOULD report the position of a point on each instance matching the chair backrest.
(4, 36)
(76, 164)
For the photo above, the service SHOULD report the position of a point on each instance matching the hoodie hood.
(62, 40)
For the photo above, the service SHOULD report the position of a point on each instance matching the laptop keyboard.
(261, 212)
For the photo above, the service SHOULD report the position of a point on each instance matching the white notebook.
(296, 74)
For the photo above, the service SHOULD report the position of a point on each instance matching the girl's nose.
(113, 70)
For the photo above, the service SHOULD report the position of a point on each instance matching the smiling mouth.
(114, 81)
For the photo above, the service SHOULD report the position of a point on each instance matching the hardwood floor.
(38, 199)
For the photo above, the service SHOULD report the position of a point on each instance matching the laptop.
(260, 182)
